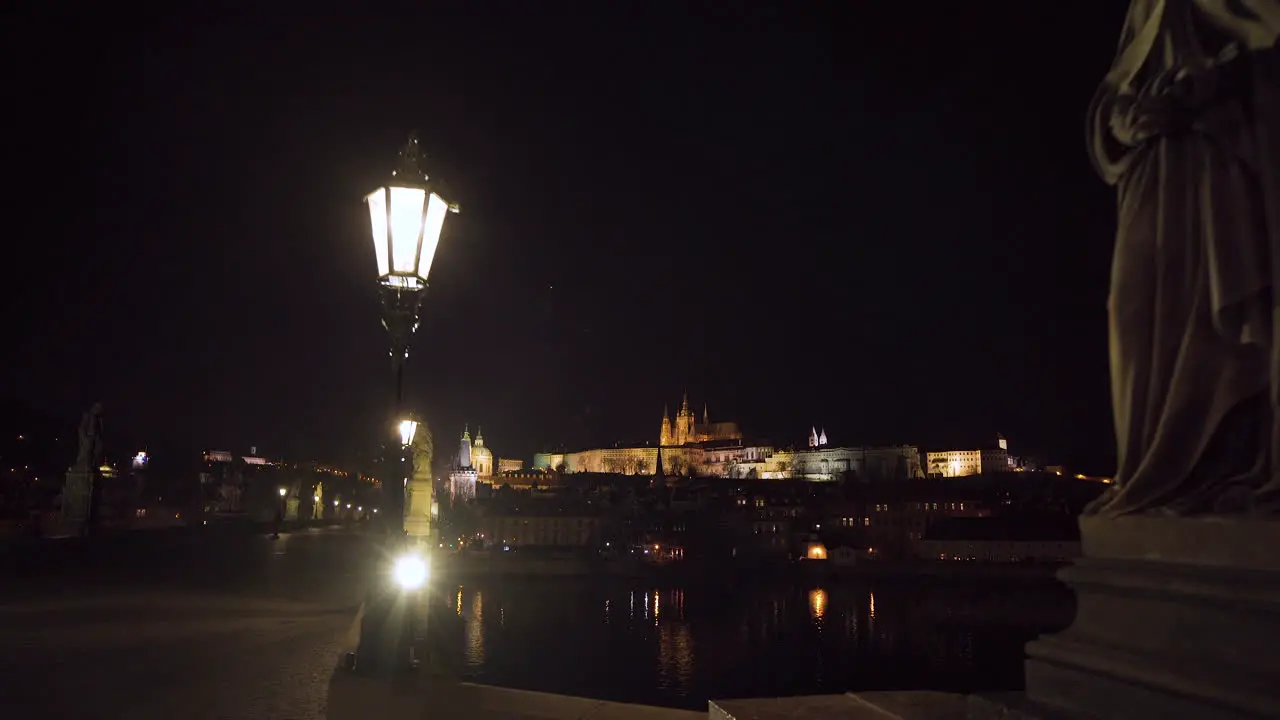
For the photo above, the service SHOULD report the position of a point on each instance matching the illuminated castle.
(685, 430)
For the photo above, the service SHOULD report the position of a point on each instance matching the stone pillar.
(77, 502)
(417, 520)
(1176, 618)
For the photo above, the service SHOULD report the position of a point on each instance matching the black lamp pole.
(400, 308)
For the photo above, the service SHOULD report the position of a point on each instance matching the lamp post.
(280, 513)
(406, 217)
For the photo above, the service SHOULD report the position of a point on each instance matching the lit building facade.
(549, 461)
(507, 465)
(960, 463)
(708, 449)
(481, 457)
(529, 480)
(830, 463)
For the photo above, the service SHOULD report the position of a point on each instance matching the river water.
(682, 645)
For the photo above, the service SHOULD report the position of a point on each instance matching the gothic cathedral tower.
(684, 423)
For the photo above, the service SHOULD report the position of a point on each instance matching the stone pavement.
(425, 697)
(922, 705)
(419, 696)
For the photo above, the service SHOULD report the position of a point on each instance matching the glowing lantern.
(407, 430)
(406, 218)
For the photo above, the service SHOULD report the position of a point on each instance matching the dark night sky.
(858, 215)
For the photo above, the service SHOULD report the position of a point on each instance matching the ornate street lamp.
(406, 217)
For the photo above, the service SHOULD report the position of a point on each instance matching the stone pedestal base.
(77, 502)
(1176, 618)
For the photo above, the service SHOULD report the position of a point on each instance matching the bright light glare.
(282, 492)
(437, 208)
(406, 227)
(410, 572)
(377, 201)
(407, 430)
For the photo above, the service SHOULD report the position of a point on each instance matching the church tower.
(664, 435)
(462, 479)
(684, 423)
(464, 450)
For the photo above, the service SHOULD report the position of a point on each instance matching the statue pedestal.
(1176, 618)
(77, 501)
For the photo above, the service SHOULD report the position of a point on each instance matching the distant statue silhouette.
(90, 453)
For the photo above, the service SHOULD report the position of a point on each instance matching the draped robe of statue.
(1187, 127)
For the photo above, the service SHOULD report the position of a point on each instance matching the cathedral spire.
(813, 437)
(704, 414)
(684, 404)
(822, 438)
(479, 437)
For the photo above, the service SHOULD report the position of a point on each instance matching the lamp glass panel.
(377, 202)
(406, 227)
(407, 430)
(437, 208)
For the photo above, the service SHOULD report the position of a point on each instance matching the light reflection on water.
(474, 619)
(684, 645)
(817, 605)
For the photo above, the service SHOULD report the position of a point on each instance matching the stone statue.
(423, 452)
(90, 454)
(1186, 126)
